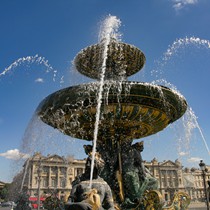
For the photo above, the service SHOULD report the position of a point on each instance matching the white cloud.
(41, 80)
(180, 4)
(194, 159)
(14, 154)
(183, 153)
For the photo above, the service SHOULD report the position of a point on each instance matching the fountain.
(127, 111)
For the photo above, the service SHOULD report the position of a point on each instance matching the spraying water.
(175, 48)
(189, 120)
(184, 42)
(30, 59)
(108, 31)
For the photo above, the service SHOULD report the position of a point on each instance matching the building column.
(49, 177)
(67, 178)
(160, 179)
(29, 177)
(58, 176)
(33, 177)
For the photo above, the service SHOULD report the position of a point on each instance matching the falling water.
(109, 30)
(24, 175)
(189, 120)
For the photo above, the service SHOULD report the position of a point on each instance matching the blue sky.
(39, 40)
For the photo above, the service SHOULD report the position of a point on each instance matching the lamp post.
(204, 170)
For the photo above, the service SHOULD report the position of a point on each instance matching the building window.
(63, 170)
(70, 171)
(62, 182)
(45, 169)
(45, 182)
(36, 169)
(175, 184)
(79, 171)
(53, 182)
(54, 170)
(36, 181)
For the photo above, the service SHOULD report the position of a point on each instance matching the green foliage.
(53, 203)
(22, 202)
(4, 192)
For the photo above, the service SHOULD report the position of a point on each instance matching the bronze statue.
(99, 196)
(136, 176)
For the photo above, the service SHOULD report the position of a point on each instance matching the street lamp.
(204, 170)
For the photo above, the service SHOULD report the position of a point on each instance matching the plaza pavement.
(193, 206)
(197, 205)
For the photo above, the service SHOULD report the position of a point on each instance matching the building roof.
(2, 184)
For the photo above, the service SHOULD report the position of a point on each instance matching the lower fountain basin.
(130, 109)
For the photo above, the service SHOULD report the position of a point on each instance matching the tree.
(4, 192)
(15, 187)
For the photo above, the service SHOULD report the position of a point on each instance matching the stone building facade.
(169, 174)
(173, 177)
(194, 183)
(44, 174)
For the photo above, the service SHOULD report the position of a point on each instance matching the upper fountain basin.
(130, 109)
(122, 60)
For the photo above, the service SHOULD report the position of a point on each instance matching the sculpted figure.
(133, 173)
(99, 197)
(137, 178)
(138, 161)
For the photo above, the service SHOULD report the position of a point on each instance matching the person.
(99, 197)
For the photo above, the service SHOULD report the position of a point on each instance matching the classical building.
(194, 183)
(45, 174)
(173, 177)
(169, 174)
